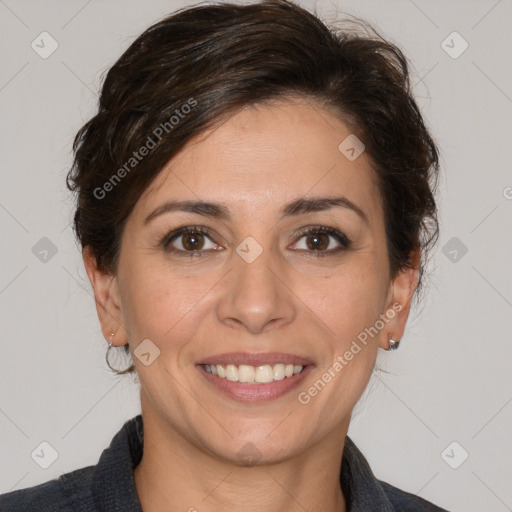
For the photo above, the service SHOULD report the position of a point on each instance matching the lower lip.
(243, 392)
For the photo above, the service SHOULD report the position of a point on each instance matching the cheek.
(349, 299)
(350, 306)
(156, 302)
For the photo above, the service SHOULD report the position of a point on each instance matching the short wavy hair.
(200, 65)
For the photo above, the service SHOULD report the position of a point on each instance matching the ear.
(107, 298)
(399, 300)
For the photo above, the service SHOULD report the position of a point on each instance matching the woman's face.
(257, 289)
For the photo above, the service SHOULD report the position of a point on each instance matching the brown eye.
(317, 241)
(189, 241)
(192, 241)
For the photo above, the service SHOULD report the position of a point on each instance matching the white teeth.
(279, 372)
(264, 374)
(231, 373)
(254, 374)
(245, 373)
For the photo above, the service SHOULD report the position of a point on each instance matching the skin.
(287, 300)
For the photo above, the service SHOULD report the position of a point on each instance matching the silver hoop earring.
(115, 370)
(393, 345)
(108, 352)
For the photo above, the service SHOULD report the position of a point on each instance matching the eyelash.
(312, 230)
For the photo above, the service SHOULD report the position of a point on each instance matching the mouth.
(255, 377)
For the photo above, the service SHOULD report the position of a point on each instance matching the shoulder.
(70, 492)
(366, 492)
(406, 502)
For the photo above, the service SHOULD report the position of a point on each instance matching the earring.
(393, 345)
(108, 351)
(130, 368)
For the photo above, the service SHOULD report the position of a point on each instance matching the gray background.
(450, 380)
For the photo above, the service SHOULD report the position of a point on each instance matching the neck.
(177, 475)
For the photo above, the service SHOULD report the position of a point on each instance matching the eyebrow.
(221, 211)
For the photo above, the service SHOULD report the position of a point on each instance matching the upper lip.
(255, 359)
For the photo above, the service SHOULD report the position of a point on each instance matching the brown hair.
(198, 66)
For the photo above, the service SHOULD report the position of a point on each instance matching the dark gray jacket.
(109, 485)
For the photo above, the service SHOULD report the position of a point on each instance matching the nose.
(257, 296)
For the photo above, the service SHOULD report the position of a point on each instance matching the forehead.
(267, 155)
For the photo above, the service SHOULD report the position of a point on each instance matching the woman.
(255, 205)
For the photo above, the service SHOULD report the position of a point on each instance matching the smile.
(254, 378)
